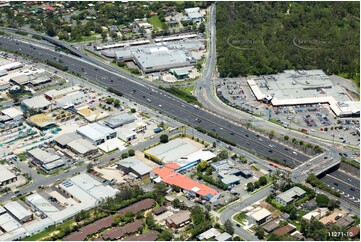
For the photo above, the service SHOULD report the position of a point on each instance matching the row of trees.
(251, 186)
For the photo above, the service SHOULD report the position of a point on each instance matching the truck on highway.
(149, 101)
(196, 106)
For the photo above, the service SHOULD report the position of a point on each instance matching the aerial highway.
(157, 99)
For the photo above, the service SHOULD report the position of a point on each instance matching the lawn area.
(155, 21)
(86, 38)
(187, 89)
(240, 218)
(46, 233)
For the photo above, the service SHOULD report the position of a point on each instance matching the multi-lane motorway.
(157, 99)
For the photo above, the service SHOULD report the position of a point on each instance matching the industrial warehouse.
(160, 56)
(304, 87)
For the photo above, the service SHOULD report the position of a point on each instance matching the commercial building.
(13, 113)
(18, 211)
(179, 219)
(41, 121)
(259, 216)
(111, 145)
(37, 103)
(171, 151)
(290, 195)
(160, 56)
(91, 114)
(64, 139)
(12, 228)
(134, 166)
(82, 147)
(55, 94)
(71, 99)
(4, 85)
(6, 176)
(119, 120)
(126, 134)
(11, 66)
(46, 160)
(292, 88)
(230, 180)
(96, 133)
(169, 175)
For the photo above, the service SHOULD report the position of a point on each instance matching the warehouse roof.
(65, 139)
(12, 112)
(119, 120)
(20, 79)
(82, 146)
(173, 150)
(5, 174)
(41, 120)
(169, 176)
(95, 131)
(36, 102)
(17, 210)
(93, 186)
(137, 165)
(43, 156)
(8, 223)
(228, 180)
(41, 203)
(62, 92)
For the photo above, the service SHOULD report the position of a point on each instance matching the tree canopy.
(255, 38)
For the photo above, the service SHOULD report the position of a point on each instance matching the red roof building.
(168, 175)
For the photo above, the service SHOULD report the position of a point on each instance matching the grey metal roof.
(289, 195)
(36, 102)
(17, 210)
(119, 120)
(43, 156)
(230, 179)
(137, 165)
(95, 131)
(82, 146)
(65, 139)
(5, 174)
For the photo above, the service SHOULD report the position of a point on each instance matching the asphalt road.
(160, 100)
(339, 181)
(230, 211)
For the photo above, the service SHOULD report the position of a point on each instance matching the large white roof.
(5, 174)
(17, 210)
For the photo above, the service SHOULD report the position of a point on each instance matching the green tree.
(259, 232)
(228, 227)
(163, 138)
(250, 187)
(133, 110)
(322, 200)
(124, 155)
(89, 167)
(131, 152)
(262, 180)
(116, 103)
(202, 166)
(286, 137)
